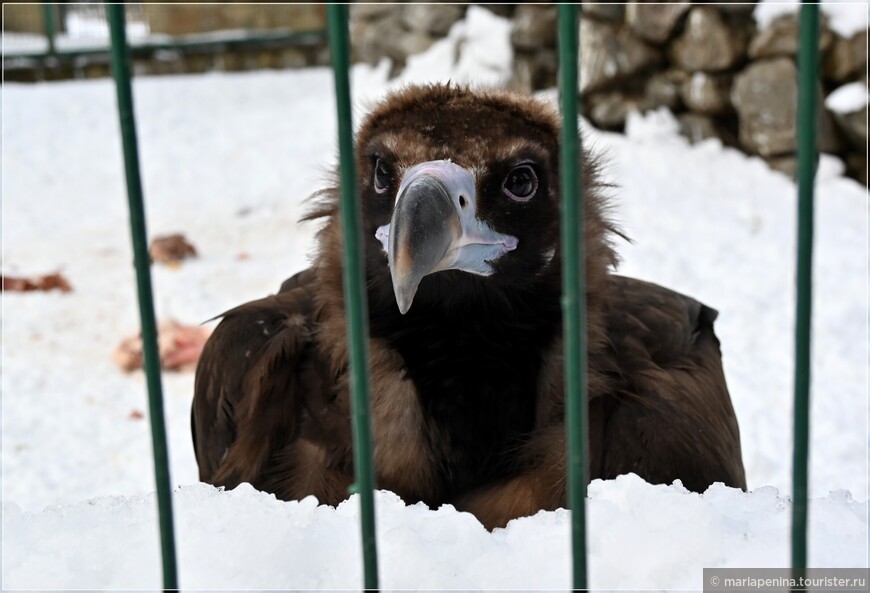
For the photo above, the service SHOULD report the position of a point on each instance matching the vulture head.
(460, 200)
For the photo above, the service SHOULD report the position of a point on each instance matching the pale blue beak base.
(434, 227)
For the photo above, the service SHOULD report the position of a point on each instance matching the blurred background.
(726, 70)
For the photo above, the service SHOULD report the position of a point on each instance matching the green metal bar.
(50, 26)
(121, 71)
(573, 290)
(808, 80)
(354, 293)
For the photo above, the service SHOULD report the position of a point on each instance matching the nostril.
(462, 201)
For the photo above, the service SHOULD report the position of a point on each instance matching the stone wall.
(23, 18)
(707, 63)
(186, 19)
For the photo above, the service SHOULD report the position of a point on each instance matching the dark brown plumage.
(459, 192)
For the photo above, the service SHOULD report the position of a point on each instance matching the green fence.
(68, 36)
(573, 299)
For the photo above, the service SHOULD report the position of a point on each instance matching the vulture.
(459, 194)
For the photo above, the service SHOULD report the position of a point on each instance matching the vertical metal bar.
(356, 304)
(50, 26)
(808, 80)
(573, 289)
(121, 73)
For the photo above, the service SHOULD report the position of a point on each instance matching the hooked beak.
(434, 227)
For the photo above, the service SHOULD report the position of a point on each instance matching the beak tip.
(405, 292)
(404, 301)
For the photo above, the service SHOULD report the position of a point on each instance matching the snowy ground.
(228, 160)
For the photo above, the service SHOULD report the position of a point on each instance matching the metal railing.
(807, 155)
(573, 299)
(121, 71)
(355, 302)
(60, 48)
(573, 289)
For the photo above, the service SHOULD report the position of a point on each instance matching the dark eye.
(521, 183)
(383, 176)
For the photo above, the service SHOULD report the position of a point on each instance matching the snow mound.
(849, 98)
(245, 539)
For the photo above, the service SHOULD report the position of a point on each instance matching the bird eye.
(382, 177)
(521, 183)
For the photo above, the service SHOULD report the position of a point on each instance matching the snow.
(94, 23)
(846, 17)
(230, 540)
(228, 160)
(849, 98)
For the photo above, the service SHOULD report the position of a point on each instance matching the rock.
(399, 47)
(780, 39)
(830, 137)
(534, 71)
(853, 125)
(200, 64)
(847, 58)
(707, 93)
(604, 11)
(784, 164)
(857, 167)
(265, 59)
(183, 18)
(765, 97)
(171, 249)
(858, 44)
(291, 57)
(385, 38)
(663, 89)
(534, 26)
(697, 127)
(431, 18)
(654, 22)
(365, 44)
(740, 9)
(609, 54)
(505, 10)
(707, 44)
(372, 11)
(609, 110)
(321, 56)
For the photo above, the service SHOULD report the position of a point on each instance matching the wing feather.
(674, 417)
(247, 397)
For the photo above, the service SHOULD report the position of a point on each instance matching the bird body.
(459, 195)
